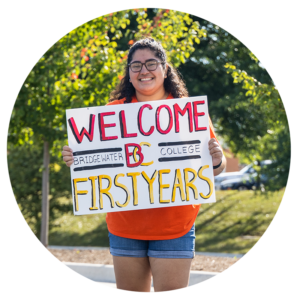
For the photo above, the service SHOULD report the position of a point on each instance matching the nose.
(144, 70)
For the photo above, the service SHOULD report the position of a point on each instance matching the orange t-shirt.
(155, 223)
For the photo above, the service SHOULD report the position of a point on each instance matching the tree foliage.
(84, 66)
(244, 104)
(80, 70)
(205, 72)
(25, 164)
(266, 136)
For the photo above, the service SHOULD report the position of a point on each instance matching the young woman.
(158, 242)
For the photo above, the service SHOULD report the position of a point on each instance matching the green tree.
(80, 70)
(25, 164)
(39, 111)
(266, 136)
(250, 116)
(205, 72)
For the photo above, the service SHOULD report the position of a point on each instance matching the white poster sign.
(140, 155)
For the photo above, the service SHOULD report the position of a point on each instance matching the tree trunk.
(45, 196)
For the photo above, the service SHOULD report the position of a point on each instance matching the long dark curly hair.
(173, 83)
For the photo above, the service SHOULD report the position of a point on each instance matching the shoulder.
(115, 102)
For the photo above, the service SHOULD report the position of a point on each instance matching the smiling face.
(149, 85)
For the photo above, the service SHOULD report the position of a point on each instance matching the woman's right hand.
(67, 154)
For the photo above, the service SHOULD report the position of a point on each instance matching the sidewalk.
(105, 273)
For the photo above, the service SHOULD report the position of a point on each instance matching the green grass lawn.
(233, 224)
(236, 221)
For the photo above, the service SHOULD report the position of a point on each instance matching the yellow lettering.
(122, 186)
(134, 186)
(162, 186)
(76, 192)
(105, 191)
(190, 184)
(94, 207)
(178, 184)
(150, 183)
(210, 184)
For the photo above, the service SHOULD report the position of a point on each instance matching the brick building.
(232, 161)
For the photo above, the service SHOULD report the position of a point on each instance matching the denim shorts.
(183, 247)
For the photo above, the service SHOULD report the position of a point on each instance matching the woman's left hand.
(215, 151)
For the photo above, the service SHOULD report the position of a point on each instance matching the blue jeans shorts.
(183, 247)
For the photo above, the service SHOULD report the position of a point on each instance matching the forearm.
(221, 167)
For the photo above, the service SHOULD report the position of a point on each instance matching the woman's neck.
(161, 95)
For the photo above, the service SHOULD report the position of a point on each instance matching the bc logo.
(137, 151)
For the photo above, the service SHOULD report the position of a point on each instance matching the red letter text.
(79, 136)
(178, 110)
(123, 126)
(158, 121)
(102, 126)
(140, 121)
(197, 114)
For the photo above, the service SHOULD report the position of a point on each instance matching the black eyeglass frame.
(144, 64)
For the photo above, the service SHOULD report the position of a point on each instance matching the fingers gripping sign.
(215, 151)
(67, 154)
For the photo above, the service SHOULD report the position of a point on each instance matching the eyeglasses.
(151, 65)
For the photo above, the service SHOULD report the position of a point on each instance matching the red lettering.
(128, 154)
(102, 126)
(178, 110)
(197, 114)
(158, 120)
(79, 136)
(123, 126)
(140, 121)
